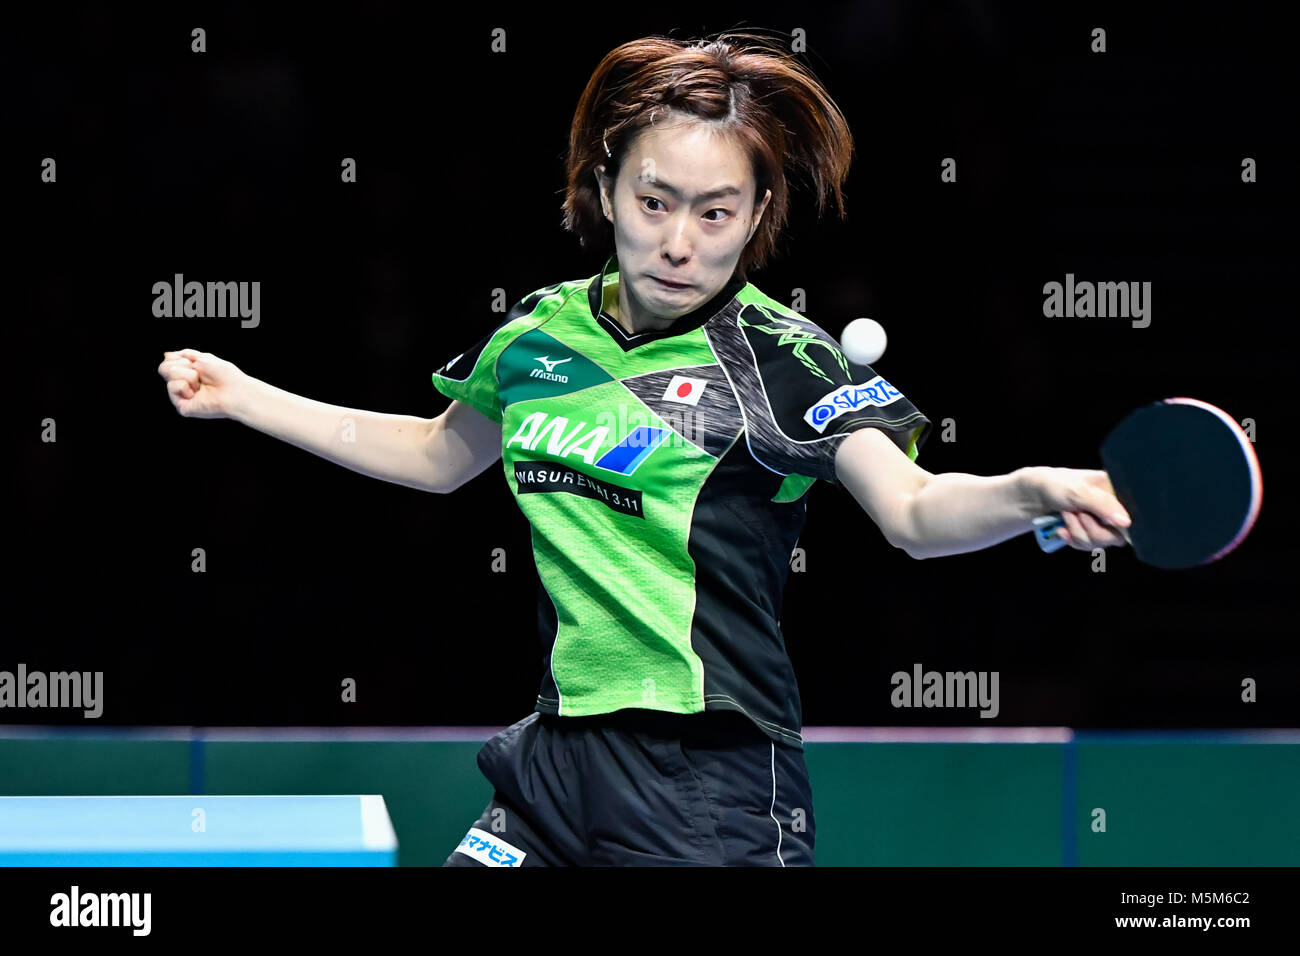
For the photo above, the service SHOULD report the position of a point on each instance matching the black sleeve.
(808, 397)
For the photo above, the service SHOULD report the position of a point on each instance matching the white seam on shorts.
(773, 807)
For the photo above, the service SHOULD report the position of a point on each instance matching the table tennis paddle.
(1188, 477)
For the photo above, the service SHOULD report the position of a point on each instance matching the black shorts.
(641, 788)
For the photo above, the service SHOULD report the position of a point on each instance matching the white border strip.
(376, 826)
(254, 734)
(938, 735)
(962, 735)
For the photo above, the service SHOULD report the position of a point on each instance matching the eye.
(649, 199)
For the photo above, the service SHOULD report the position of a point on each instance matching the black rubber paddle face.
(1188, 478)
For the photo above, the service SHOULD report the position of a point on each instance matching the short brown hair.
(777, 109)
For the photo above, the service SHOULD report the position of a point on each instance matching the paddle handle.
(1045, 532)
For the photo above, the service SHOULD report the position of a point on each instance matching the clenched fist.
(201, 385)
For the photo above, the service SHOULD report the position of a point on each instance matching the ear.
(762, 207)
(603, 187)
(758, 213)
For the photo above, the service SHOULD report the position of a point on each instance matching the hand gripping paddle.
(1188, 477)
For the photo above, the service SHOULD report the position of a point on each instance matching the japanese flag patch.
(684, 390)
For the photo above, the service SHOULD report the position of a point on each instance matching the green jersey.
(665, 477)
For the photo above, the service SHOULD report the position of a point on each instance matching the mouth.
(675, 286)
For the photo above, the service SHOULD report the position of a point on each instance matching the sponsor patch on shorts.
(489, 849)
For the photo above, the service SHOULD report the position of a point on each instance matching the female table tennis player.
(660, 424)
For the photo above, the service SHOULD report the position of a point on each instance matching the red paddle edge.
(1252, 463)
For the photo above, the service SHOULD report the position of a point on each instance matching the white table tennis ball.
(863, 341)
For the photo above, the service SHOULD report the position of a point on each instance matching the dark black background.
(1123, 166)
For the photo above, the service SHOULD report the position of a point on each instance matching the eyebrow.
(711, 194)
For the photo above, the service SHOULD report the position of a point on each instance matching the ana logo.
(549, 374)
(849, 398)
(541, 431)
(685, 390)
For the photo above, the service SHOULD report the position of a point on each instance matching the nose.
(677, 245)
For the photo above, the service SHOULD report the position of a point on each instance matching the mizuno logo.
(550, 374)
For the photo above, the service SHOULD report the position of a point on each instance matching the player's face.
(682, 208)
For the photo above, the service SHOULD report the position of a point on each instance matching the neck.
(617, 305)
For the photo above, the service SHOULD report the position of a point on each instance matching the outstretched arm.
(930, 516)
(437, 455)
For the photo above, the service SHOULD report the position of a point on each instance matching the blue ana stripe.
(631, 451)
